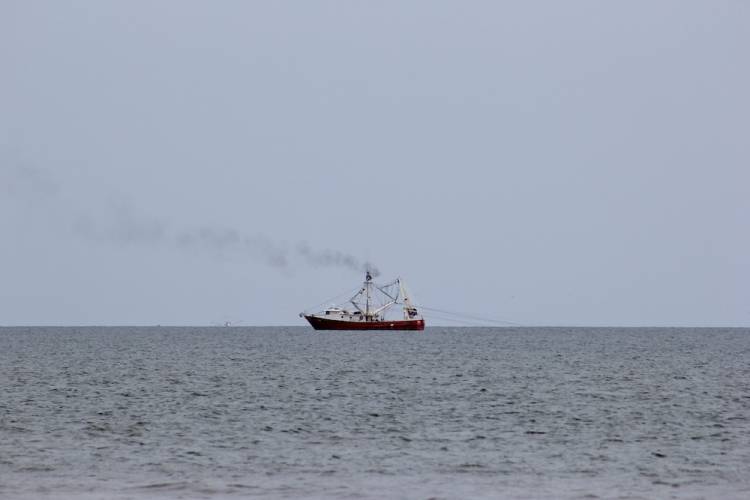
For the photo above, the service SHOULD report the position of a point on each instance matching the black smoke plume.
(119, 223)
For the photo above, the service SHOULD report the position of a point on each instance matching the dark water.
(449, 413)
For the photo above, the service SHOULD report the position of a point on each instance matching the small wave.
(35, 468)
(166, 486)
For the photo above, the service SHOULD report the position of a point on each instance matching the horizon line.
(134, 325)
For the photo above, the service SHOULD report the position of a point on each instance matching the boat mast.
(368, 279)
(410, 310)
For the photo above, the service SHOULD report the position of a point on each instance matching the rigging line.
(459, 321)
(445, 321)
(331, 300)
(469, 316)
(432, 317)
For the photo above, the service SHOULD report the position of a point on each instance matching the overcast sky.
(550, 163)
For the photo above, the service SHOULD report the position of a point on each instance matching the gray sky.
(563, 163)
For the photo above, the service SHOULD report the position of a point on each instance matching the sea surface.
(123, 412)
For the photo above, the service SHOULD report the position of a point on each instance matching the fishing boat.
(372, 307)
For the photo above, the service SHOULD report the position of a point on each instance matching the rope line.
(333, 299)
(470, 317)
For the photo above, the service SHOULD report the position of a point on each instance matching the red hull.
(332, 324)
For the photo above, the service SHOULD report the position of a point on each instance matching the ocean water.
(449, 413)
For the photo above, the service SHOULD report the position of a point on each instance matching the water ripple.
(450, 413)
